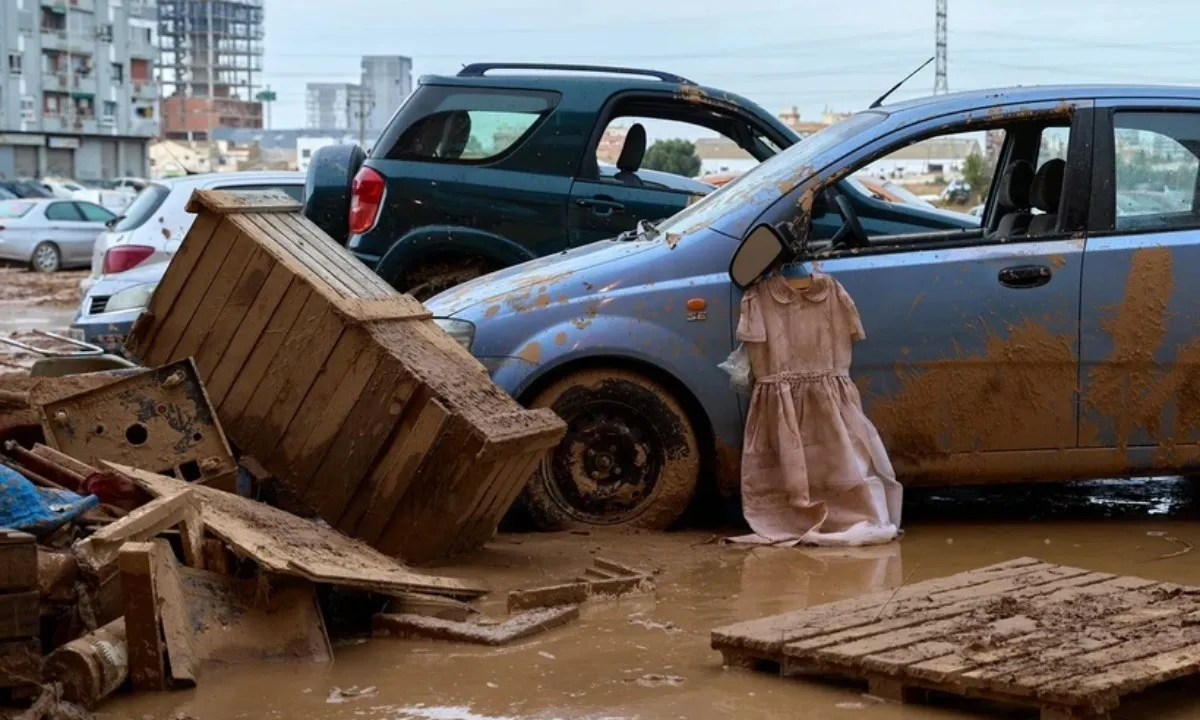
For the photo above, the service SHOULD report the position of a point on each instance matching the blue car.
(1051, 338)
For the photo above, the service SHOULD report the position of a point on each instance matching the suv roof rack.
(479, 69)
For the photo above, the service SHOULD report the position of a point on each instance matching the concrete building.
(721, 155)
(332, 105)
(386, 82)
(77, 93)
(938, 156)
(210, 65)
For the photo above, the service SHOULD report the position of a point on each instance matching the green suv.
(500, 164)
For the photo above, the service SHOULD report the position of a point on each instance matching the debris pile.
(300, 432)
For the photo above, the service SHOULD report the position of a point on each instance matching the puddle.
(620, 661)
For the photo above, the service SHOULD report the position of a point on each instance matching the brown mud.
(649, 656)
(34, 301)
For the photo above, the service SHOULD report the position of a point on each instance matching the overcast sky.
(813, 54)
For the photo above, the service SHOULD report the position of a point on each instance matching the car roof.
(250, 175)
(952, 102)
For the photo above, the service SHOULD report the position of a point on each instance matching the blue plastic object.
(37, 511)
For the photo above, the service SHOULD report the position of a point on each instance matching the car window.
(294, 191)
(63, 211)
(142, 208)
(1155, 170)
(94, 213)
(450, 124)
(15, 209)
(6, 195)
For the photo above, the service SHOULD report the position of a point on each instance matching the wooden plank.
(422, 423)
(225, 202)
(397, 307)
(514, 628)
(177, 629)
(296, 366)
(508, 487)
(203, 322)
(303, 448)
(316, 256)
(143, 622)
(63, 460)
(229, 367)
(18, 561)
(173, 325)
(19, 615)
(372, 286)
(241, 297)
(169, 287)
(357, 445)
(100, 551)
(283, 543)
(324, 282)
(577, 592)
(261, 358)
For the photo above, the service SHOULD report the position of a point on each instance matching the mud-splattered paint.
(531, 353)
(491, 311)
(560, 338)
(1026, 380)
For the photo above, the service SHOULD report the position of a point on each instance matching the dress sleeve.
(751, 327)
(850, 311)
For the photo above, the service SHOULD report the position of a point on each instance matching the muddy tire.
(430, 278)
(630, 457)
(46, 258)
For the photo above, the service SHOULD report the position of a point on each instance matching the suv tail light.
(366, 197)
(122, 257)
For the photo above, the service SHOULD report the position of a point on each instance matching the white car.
(153, 226)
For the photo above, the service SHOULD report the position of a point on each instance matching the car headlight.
(131, 298)
(462, 331)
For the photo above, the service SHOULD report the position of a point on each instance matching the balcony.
(139, 47)
(144, 90)
(54, 40)
(144, 127)
(87, 5)
(88, 126)
(55, 82)
(54, 123)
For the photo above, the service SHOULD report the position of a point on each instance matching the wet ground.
(649, 657)
(34, 301)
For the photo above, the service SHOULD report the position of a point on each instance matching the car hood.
(519, 283)
(109, 284)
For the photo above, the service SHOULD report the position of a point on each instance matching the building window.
(53, 22)
(51, 105)
(110, 108)
(52, 62)
(85, 107)
(105, 33)
(15, 62)
(118, 73)
(139, 70)
(28, 109)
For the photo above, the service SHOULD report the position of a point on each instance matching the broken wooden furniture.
(344, 389)
(605, 579)
(476, 631)
(1065, 640)
(159, 419)
(20, 648)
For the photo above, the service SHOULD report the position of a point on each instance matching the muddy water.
(649, 657)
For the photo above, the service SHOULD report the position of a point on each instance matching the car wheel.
(630, 456)
(430, 278)
(46, 258)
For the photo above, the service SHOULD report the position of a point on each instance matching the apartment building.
(386, 82)
(77, 91)
(335, 106)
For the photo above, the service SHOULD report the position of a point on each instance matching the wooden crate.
(1065, 640)
(338, 385)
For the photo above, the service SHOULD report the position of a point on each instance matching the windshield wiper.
(645, 230)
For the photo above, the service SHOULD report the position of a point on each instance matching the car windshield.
(143, 206)
(14, 208)
(769, 180)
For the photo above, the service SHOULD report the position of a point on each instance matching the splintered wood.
(339, 386)
(1066, 640)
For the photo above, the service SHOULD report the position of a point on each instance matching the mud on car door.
(970, 361)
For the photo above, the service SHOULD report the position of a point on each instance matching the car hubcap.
(607, 465)
(44, 258)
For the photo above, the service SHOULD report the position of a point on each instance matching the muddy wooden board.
(342, 388)
(1068, 641)
(284, 544)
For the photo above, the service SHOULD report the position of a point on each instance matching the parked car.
(110, 306)
(25, 188)
(154, 224)
(50, 235)
(992, 353)
(487, 169)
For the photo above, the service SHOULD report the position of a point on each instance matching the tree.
(977, 174)
(673, 156)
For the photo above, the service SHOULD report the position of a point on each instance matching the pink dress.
(814, 470)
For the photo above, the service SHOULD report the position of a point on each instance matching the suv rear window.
(142, 208)
(463, 125)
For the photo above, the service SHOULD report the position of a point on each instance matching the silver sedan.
(50, 234)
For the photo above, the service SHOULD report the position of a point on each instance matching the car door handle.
(601, 206)
(1025, 276)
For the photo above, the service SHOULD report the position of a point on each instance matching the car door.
(605, 207)
(95, 218)
(970, 356)
(69, 230)
(1140, 350)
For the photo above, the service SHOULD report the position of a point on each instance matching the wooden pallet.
(341, 387)
(1065, 640)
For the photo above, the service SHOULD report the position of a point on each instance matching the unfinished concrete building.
(210, 65)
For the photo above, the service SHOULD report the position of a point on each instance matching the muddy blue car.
(1054, 337)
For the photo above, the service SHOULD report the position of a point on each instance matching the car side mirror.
(757, 253)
